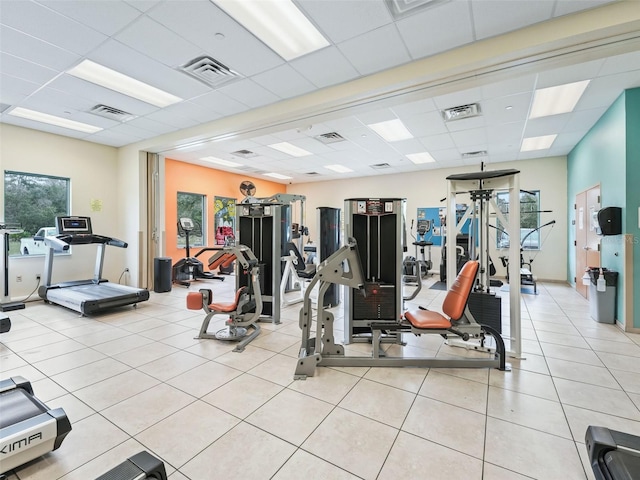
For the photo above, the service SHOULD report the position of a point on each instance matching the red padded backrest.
(221, 259)
(458, 295)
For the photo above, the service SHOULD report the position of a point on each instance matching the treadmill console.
(74, 225)
(186, 224)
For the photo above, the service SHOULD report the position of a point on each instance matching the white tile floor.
(136, 379)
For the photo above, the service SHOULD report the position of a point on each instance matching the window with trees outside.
(33, 202)
(192, 205)
(529, 219)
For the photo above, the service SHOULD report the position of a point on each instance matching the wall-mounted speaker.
(609, 221)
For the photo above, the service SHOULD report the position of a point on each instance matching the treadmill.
(613, 455)
(85, 296)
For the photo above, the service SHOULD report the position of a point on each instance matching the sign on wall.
(224, 211)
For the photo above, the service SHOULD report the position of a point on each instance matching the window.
(529, 219)
(33, 201)
(192, 205)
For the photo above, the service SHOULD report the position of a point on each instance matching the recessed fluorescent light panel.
(421, 157)
(290, 149)
(338, 168)
(391, 130)
(119, 82)
(278, 23)
(537, 143)
(556, 100)
(53, 120)
(220, 161)
(277, 175)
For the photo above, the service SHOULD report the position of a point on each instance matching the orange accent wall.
(190, 178)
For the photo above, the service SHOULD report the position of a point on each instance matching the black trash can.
(602, 305)
(162, 274)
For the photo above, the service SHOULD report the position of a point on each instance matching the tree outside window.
(33, 201)
(192, 205)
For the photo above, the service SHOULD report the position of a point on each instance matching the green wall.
(609, 155)
(631, 214)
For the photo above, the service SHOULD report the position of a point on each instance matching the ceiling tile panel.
(493, 17)
(115, 139)
(512, 86)
(437, 29)
(470, 137)
(505, 133)
(583, 120)
(105, 16)
(430, 123)
(284, 81)
(249, 93)
(375, 51)
(506, 109)
(569, 74)
(325, 67)
(42, 53)
(340, 21)
(199, 22)
(158, 42)
(143, 5)
(620, 63)
(565, 7)
(408, 146)
(546, 125)
(466, 123)
(151, 126)
(62, 100)
(603, 91)
(437, 142)
(15, 86)
(45, 24)
(376, 116)
(455, 99)
(17, 67)
(220, 103)
(414, 108)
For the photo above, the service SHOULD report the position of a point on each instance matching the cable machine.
(265, 226)
(378, 226)
(481, 187)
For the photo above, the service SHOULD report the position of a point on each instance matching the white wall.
(92, 169)
(427, 188)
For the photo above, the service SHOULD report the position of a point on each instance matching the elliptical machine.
(189, 269)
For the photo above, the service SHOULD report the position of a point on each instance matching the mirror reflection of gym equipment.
(265, 226)
(417, 268)
(190, 269)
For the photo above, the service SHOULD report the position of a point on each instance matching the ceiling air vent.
(331, 137)
(112, 113)
(244, 153)
(463, 111)
(209, 71)
(380, 166)
(3, 107)
(479, 153)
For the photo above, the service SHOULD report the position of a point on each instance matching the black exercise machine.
(613, 455)
(141, 466)
(28, 428)
(5, 323)
(189, 269)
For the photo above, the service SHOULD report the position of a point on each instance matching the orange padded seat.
(194, 302)
(454, 303)
(224, 259)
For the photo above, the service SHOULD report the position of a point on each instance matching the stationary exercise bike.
(189, 269)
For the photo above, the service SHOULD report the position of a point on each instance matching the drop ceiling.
(151, 40)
